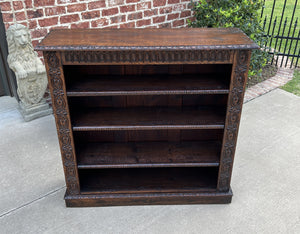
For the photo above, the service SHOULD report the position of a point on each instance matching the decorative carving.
(60, 108)
(233, 118)
(139, 56)
(30, 73)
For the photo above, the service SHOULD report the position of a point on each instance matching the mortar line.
(29, 203)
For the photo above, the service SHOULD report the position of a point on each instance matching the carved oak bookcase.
(147, 116)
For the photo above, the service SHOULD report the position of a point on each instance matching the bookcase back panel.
(148, 135)
(76, 103)
(75, 71)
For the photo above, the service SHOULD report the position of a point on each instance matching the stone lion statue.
(23, 60)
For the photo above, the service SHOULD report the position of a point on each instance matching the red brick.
(58, 27)
(127, 8)
(165, 25)
(35, 14)
(28, 3)
(143, 22)
(55, 10)
(18, 5)
(131, 1)
(110, 11)
(48, 21)
(177, 23)
(99, 23)
(7, 17)
(69, 18)
(91, 14)
(32, 23)
(173, 1)
(35, 42)
(173, 16)
(20, 16)
(117, 19)
(97, 4)
(81, 25)
(157, 3)
(143, 6)
(65, 1)
(115, 2)
(159, 19)
(165, 10)
(5, 6)
(38, 3)
(150, 12)
(128, 25)
(185, 14)
(135, 16)
(37, 33)
(76, 7)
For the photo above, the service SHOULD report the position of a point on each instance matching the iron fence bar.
(296, 50)
(274, 24)
(283, 10)
(295, 26)
(271, 17)
(262, 10)
(292, 19)
(283, 30)
(284, 37)
(264, 25)
(296, 56)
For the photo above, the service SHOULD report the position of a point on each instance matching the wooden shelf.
(147, 85)
(148, 154)
(141, 180)
(146, 118)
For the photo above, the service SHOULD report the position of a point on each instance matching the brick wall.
(40, 16)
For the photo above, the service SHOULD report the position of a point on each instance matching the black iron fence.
(281, 25)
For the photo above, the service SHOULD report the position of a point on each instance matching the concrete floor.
(265, 180)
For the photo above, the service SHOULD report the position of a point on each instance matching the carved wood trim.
(234, 108)
(111, 57)
(63, 122)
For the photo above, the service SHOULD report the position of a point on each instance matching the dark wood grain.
(233, 116)
(62, 119)
(148, 118)
(148, 154)
(163, 135)
(149, 39)
(128, 199)
(147, 85)
(140, 180)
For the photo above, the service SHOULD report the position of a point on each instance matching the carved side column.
(234, 108)
(62, 117)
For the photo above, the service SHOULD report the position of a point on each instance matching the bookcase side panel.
(62, 117)
(233, 114)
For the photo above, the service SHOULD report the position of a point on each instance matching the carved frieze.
(60, 109)
(139, 56)
(233, 118)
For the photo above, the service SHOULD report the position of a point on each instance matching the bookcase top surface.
(146, 39)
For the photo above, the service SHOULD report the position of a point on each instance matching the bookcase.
(147, 116)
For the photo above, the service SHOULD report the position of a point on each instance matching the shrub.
(243, 14)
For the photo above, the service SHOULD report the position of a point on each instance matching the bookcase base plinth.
(148, 199)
